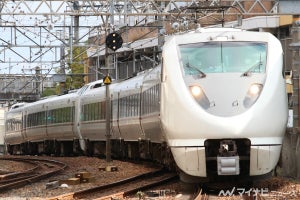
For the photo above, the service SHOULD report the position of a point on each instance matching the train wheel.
(24, 149)
(46, 147)
(32, 148)
(76, 148)
(156, 152)
(57, 148)
(89, 148)
(9, 149)
(120, 148)
(133, 151)
(67, 148)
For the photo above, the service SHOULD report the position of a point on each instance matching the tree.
(49, 92)
(75, 77)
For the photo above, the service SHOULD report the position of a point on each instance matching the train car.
(216, 107)
(223, 103)
(14, 125)
(50, 125)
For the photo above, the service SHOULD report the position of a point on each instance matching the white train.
(217, 106)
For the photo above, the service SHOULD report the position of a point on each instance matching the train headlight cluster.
(252, 94)
(199, 95)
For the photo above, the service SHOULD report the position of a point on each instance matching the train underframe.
(120, 149)
(226, 160)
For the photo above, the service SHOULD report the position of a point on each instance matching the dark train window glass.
(223, 57)
(97, 111)
(86, 112)
(93, 111)
(103, 110)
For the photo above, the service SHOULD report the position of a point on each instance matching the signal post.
(107, 81)
(113, 41)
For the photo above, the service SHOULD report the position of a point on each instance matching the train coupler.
(228, 159)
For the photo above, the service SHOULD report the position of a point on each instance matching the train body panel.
(127, 109)
(150, 113)
(58, 114)
(14, 132)
(92, 118)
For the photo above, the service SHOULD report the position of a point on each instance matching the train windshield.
(223, 57)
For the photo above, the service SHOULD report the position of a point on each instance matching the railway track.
(123, 187)
(41, 169)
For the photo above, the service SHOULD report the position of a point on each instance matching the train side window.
(134, 104)
(121, 108)
(128, 106)
(42, 118)
(64, 114)
(73, 113)
(49, 117)
(35, 119)
(97, 85)
(68, 114)
(28, 121)
(99, 110)
(85, 111)
(96, 111)
(57, 116)
(103, 110)
(38, 118)
(88, 113)
(138, 106)
(61, 115)
(93, 111)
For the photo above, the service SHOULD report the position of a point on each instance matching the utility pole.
(107, 81)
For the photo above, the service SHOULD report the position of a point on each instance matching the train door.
(24, 125)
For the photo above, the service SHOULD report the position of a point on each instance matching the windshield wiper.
(248, 72)
(202, 74)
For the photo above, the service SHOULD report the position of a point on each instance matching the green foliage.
(75, 75)
(49, 92)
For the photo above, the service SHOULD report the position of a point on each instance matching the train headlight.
(252, 94)
(255, 89)
(196, 91)
(199, 95)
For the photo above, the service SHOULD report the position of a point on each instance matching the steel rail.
(160, 173)
(35, 177)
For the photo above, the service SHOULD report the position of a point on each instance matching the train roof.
(207, 30)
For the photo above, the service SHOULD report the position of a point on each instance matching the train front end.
(223, 103)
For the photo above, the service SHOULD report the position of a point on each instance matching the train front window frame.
(223, 57)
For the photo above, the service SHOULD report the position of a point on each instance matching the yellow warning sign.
(107, 80)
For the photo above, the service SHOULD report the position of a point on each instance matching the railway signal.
(114, 41)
